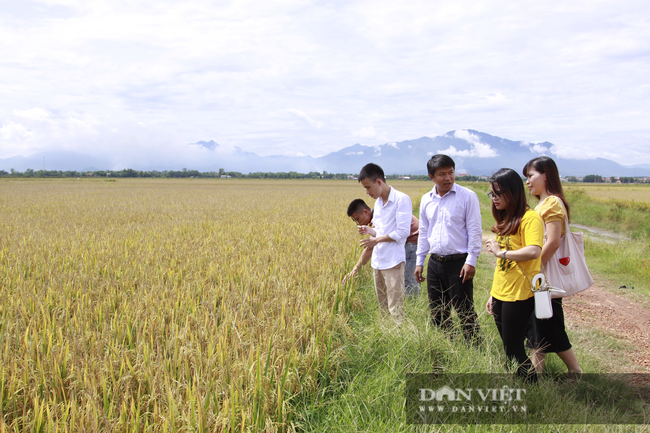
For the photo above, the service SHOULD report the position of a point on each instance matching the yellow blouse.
(509, 283)
(551, 210)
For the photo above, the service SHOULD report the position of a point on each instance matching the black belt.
(449, 258)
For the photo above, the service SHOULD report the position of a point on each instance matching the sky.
(131, 80)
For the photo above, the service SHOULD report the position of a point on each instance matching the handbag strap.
(532, 288)
(567, 230)
(566, 216)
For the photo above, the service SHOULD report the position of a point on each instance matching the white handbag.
(567, 269)
(543, 293)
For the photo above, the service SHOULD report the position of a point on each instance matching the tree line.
(594, 178)
(184, 173)
(221, 173)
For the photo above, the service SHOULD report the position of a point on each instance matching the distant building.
(225, 176)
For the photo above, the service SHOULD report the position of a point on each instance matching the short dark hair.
(512, 186)
(372, 172)
(439, 161)
(357, 205)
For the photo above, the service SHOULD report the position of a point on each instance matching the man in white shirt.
(451, 232)
(361, 214)
(392, 226)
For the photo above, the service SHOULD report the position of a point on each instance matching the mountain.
(474, 152)
(65, 161)
(638, 166)
(210, 145)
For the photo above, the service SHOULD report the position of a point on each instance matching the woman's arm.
(553, 238)
(528, 252)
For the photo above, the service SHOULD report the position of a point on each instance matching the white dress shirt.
(450, 224)
(392, 218)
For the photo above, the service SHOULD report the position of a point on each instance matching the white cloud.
(12, 131)
(371, 136)
(354, 153)
(302, 116)
(538, 148)
(196, 69)
(32, 114)
(535, 147)
(366, 132)
(569, 152)
(479, 149)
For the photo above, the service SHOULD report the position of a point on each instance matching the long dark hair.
(511, 186)
(545, 165)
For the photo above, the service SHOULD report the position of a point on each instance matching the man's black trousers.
(446, 290)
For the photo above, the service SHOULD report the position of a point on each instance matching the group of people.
(449, 231)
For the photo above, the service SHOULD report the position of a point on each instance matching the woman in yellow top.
(549, 335)
(518, 246)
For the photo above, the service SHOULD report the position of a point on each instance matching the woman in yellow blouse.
(549, 335)
(517, 247)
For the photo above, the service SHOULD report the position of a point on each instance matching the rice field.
(614, 192)
(162, 305)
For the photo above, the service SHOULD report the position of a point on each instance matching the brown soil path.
(615, 315)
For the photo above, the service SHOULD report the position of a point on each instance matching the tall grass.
(158, 305)
(169, 305)
(621, 262)
(627, 217)
(368, 394)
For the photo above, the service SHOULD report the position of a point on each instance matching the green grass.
(367, 394)
(625, 263)
(626, 217)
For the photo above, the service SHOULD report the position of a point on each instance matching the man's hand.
(369, 242)
(467, 273)
(350, 275)
(365, 230)
(418, 274)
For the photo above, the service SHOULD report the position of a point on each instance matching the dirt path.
(615, 315)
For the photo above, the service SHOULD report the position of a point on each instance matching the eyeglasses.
(494, 195)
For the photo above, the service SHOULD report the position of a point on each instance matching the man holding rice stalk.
(362, 215)
(451, 232)
(392, 220)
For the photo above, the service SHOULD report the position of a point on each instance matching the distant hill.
(474, 152)
(638, 166)
(63, 161)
